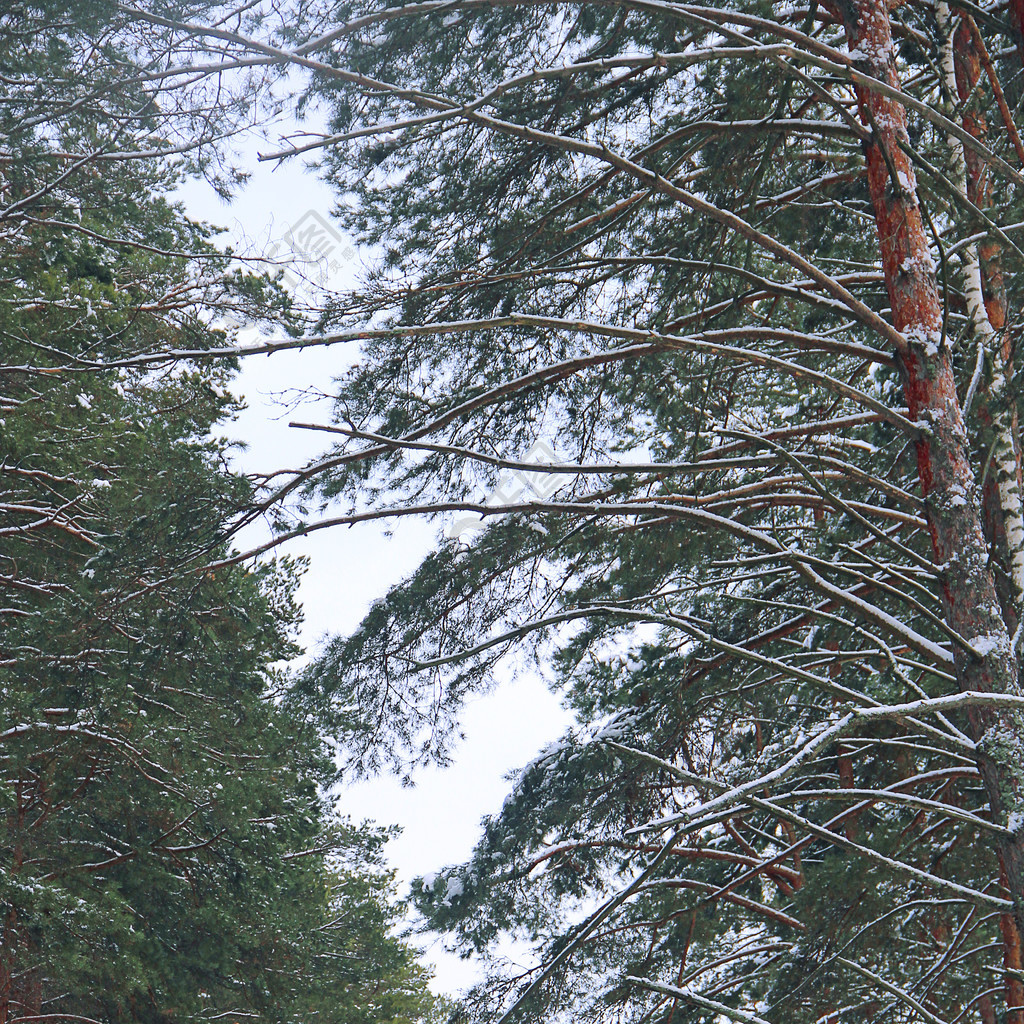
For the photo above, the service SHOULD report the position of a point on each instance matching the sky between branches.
(349, 569)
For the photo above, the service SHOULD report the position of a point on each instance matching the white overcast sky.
(350, 568)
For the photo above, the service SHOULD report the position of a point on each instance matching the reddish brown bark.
(5, 972)
(21, 989)
(1017, 6)
(945, 471)
(986, 1010)
(1013, 961)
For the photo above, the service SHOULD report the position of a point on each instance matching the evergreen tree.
(751, 272)
(167, 852)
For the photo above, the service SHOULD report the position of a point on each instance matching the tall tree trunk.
(986, 661)
(987, 307)
(6, 966)
(986, 299)
(21, 993)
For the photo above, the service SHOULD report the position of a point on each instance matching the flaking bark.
(986, 662)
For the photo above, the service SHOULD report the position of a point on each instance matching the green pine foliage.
(682, 612)
(168, 848)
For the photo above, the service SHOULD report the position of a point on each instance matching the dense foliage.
(743, 269)
(751, 275)
(166, 850)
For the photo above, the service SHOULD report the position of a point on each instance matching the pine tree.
(752, 273)
(167, 850)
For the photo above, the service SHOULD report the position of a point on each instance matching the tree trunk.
(986, 661)
(988, 309)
